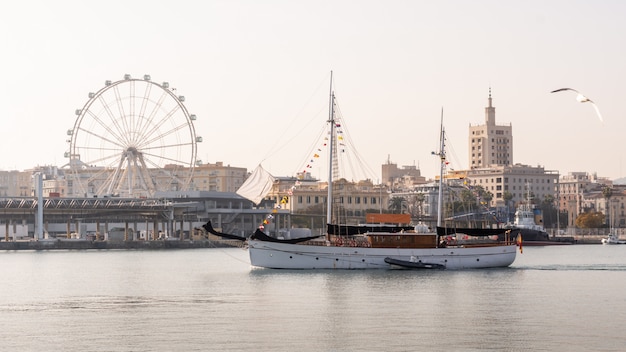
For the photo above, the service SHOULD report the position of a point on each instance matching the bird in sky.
(582, 99)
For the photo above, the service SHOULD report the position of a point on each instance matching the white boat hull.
(613, 238)
(612, 241)
(298, 256)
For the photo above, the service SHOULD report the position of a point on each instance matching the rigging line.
(349, 142)
(276, 147)
(286, 143)
(312, 148)
(215, 246)
(455, 157)
(364, 168)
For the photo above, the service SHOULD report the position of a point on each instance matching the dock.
(69, 244)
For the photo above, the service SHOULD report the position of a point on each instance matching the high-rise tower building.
(490, 144)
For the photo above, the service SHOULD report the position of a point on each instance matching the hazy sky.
(256, 72)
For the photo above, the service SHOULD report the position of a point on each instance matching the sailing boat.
(369, 247)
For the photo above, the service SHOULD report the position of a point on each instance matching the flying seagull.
(582, 99)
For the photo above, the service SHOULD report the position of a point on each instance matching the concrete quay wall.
(86, 244)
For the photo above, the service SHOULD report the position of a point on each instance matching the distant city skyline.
(256, 75)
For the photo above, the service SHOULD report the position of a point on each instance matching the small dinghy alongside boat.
(413, 263)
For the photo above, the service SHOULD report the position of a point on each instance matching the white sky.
(255, 72)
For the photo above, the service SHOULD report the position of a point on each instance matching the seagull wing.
(583, 99)
(563, 89)
(597, 111)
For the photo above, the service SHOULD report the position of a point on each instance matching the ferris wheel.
(132, 138)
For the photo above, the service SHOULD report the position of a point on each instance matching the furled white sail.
(257, 186)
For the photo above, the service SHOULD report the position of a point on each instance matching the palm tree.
(420, 198)
(507, 196)
(396, 205)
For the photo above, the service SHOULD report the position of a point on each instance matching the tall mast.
(331, 120)
(442, 159)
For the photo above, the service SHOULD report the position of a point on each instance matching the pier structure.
(175, 216)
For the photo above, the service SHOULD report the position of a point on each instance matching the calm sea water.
(564, 298)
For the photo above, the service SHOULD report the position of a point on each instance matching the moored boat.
(534, 234)
(613, 238)
(373, 246)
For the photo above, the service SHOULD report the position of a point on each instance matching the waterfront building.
(16, 183)
(613, 207)
(86, 182)
(514, 182)
(218, 177)
(492, 167)
(575, 191)
(305, 195)
(489, 143)
(422, 201)
(403, 178)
